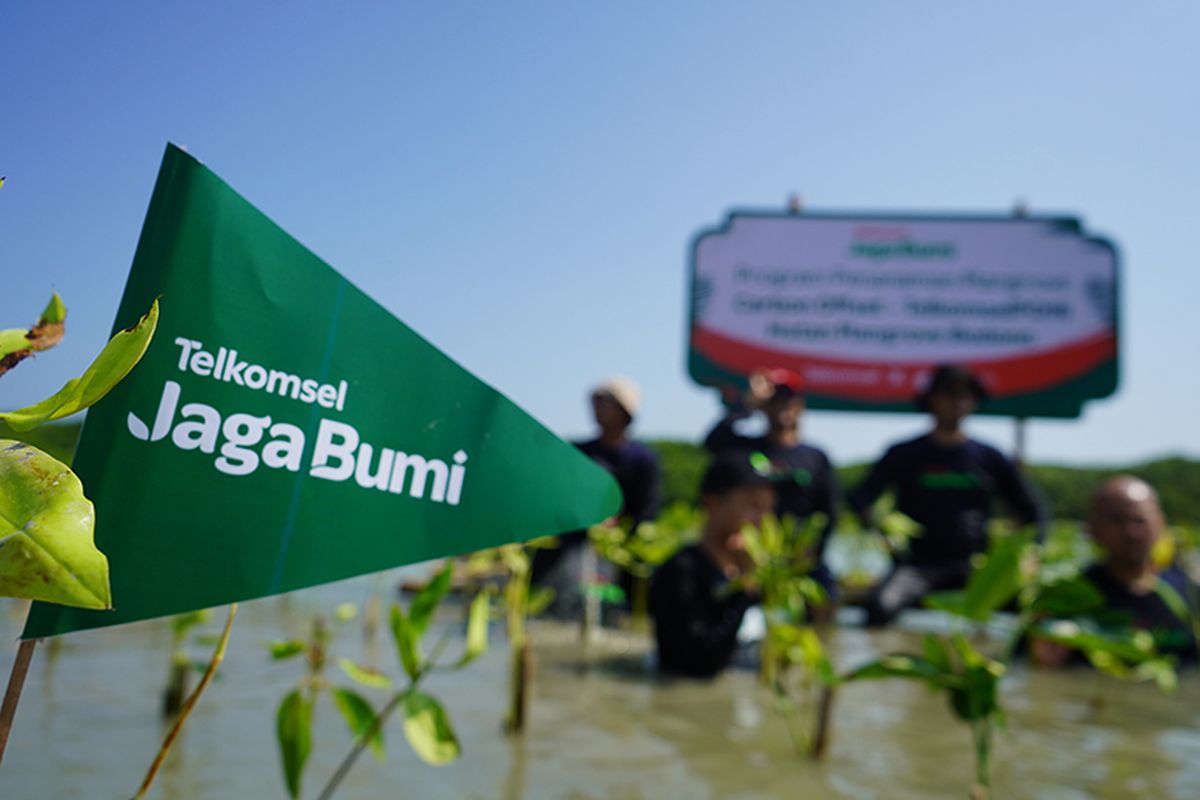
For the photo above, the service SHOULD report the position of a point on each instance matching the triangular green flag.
(285, 430)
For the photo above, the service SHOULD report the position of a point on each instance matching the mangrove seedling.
(793, 662)
(640, 548)
(47, 545)
(426, 726)
(514, 562)
(1045, 595)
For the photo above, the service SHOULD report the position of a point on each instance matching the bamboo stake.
(186, 710)
(16, 682)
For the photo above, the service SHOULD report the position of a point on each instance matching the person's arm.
(1019, 494)
(828, 494)
(723, 437)
(868, 491)
(645, 493)
(694, 636)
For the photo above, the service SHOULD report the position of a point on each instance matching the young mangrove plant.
(794, 664)
(426, 726)
(521, 601)
(1048, 597)
(46, 522)
(181, 664)
(639, 549)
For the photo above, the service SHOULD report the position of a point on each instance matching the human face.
(952, 404)
(734, 510)
(1126, 522)
(784, 413)
(608, 412)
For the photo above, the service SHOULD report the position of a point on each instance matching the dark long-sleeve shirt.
(696, 616)
(948, 491)
(635, 466)
(1151, 612)
(807, 482)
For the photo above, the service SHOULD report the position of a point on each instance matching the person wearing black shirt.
(1126, 520)
(635, 467)
(696, 610)
(806, 482)
(945, 482)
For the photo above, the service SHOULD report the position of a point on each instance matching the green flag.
(284, 430)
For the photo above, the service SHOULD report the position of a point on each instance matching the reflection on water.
(602, 725)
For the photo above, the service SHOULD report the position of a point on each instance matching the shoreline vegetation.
(1067, 488)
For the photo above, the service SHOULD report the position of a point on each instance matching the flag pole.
(16, 682)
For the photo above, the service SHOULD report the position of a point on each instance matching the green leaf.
(17, 344)
(937, 652)
(408, 642)
(182, 623)
(345, 612)
(428, 730)
(282, 650)
(997, 582)
(293, 729)
(47, 551)
(54, 312)
(952, 601)
(541, 598)
(359, 718)
(425, 602)
(477, 629)
(1067, 598)
(367, 677)
(975, 699)
(900, 665)
(115, 361)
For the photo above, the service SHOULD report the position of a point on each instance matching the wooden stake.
(16, 682)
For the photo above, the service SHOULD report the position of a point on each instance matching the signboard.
(864, 306)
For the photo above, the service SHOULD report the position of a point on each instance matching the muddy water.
(601, 725)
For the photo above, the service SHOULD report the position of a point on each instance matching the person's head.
(1126, 520)
(785, 406)
(951, 395)
(615, 402)
(734, 494)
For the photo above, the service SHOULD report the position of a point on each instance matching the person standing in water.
(697, 610)
(615, 403)
(945, 481)
(805, 480)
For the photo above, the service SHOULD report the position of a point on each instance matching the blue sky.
(519, 182)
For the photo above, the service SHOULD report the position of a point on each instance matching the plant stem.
(820, 742)
(982, 730)
(641, 604)
(363, 740)
(16, 682)
(186, 710)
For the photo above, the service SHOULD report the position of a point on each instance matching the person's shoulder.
(1099, 576)
(811, 453)
(686, 559)
(636, 450)
(986, 450)
(907, 447)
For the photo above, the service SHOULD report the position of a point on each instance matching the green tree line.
(1067, 489)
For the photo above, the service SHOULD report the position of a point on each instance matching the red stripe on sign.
(886, 381)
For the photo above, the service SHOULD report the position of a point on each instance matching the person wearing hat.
(697, 612)
(615, 403)
(806, 481)
(945, 481)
